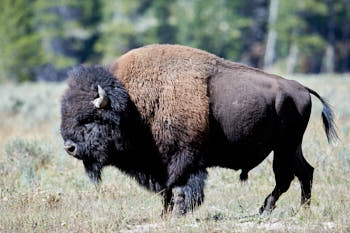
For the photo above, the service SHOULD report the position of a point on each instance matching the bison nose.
(70, 147)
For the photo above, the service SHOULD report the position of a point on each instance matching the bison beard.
(93, 170)
(163, 114)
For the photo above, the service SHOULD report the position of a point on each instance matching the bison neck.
(141, 158)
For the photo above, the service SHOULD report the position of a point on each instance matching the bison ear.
(102, 100)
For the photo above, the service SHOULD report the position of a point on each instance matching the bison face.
(93, 111)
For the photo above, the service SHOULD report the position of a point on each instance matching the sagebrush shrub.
(26, 158)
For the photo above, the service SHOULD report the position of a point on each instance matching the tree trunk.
(292, 58)
(345, 48)
(329, 58)
(254, 43)
(272, 34)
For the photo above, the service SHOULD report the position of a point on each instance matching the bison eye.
(89, 126)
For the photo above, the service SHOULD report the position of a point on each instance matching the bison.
(163, 114)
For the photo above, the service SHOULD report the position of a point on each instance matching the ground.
(42, 189)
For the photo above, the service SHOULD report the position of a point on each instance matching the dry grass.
(43, 190)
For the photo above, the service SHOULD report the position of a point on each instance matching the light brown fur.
(168, 84)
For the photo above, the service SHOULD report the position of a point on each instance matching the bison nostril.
(71, 148)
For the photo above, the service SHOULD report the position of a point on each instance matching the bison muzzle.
(163, 114)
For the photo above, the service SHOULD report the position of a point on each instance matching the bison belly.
(242, 122)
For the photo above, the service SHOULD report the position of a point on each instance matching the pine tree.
(69, 33)
(121, 27)
(313, 35)
(215, 26)
(20, 52)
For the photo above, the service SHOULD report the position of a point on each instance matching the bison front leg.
(168, 203)
(190, 195)
(180, 166)
(186, 179)
(183, 198)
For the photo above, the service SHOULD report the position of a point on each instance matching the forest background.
(41, 40)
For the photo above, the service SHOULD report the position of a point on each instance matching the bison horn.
(102, 99)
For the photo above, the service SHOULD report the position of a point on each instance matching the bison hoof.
(265, 211)
(180, 207)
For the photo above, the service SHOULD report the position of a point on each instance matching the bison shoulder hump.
(168, 84)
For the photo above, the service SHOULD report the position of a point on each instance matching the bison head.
(93, 109)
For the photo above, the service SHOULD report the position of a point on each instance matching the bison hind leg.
(304, 172)
(284, 174)
(190, 195)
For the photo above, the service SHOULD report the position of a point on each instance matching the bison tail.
(327, 118)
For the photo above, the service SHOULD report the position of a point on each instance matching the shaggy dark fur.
(109, 136)
(173, 111)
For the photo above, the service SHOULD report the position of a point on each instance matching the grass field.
(42, 189)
